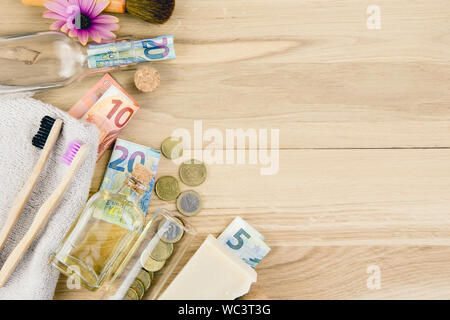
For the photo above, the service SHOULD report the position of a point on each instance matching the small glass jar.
(145, 271)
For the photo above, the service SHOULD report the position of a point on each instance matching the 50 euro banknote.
(109, 107)
(245, 241)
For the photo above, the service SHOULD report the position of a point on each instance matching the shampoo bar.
(213, 273)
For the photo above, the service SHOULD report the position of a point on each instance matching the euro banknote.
(245, 241)
(129, 52)
(109, 107)
(123, 159)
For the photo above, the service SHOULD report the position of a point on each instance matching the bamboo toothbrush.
(153, 11)
(75, 155)
(45, 139)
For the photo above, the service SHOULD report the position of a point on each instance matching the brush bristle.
(41, 137)
(72, 150)
(153, 11)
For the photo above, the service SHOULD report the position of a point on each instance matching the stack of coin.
(157, 259)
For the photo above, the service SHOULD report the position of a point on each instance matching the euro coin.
(189, 203)
(138, 286)
(131, 295)
(172, 232)
(162, 251)
(193, 172)
(172, 148)
(167, 188)
(152, 265)
(145, 277)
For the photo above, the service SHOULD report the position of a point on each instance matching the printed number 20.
(116, 164)
(238, 236)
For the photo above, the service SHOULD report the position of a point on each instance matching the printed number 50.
(238, 236)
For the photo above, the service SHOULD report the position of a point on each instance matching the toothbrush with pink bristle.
(75, 155)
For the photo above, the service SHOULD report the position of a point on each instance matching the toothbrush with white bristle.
(75, 155)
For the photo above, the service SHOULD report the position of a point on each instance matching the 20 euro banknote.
(129, 52)
(123, 159)
(245, 241)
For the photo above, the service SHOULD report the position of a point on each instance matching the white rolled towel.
(20, 116)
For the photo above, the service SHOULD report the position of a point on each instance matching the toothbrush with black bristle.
(45, 139)
(74, 157)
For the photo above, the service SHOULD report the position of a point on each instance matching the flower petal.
(95, 35)
(105, 18)
(73, 33)
(53, 15)
(57, 25)
(83, 36)
(56, 7)
(104, 33)
(99, 7)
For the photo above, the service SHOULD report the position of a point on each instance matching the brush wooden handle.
(25, 192)
(115, 6)
(41, 217)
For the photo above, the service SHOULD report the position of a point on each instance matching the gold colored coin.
(193, 172)
(131, 295)
(167, 188)
(138, 286)
(153, 265)
(162, 251)
(172, 148)
(173, 231)
(146, 278)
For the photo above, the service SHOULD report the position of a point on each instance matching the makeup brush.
(45, 139)
(75, 155)
(153, 11)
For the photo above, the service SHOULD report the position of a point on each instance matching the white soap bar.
(213, 273)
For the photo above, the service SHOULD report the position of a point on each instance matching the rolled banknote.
(247, 243)
(109, 107)
(123, 159)
(129, 52)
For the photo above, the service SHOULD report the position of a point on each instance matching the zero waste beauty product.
(50, 59)
(105, 232)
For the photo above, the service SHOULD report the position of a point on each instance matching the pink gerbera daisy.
(82, 19)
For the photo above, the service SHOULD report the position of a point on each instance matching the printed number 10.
(119, 113)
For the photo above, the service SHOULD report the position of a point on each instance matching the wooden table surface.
(364, 157)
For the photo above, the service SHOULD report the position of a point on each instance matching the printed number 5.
(238, 237)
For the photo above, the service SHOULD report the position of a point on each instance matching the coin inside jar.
(167, 188)
(172, 232)
(162, 251)
(138, 286)
(193, 172)
(131, 294)
(189, 203)
(152, 265)
(145, 277)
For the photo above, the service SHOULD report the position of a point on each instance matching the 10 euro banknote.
(245, 241)
(109, 107)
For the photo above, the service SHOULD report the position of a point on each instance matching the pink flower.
(82, 19)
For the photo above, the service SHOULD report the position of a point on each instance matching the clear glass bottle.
(104, 232)
(51, 59)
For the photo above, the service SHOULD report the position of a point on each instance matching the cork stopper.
(142, 174)
(147, 78)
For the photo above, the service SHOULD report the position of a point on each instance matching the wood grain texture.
(364, 135)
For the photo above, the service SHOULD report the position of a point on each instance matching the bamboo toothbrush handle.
(25, 192)
(41, 217)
